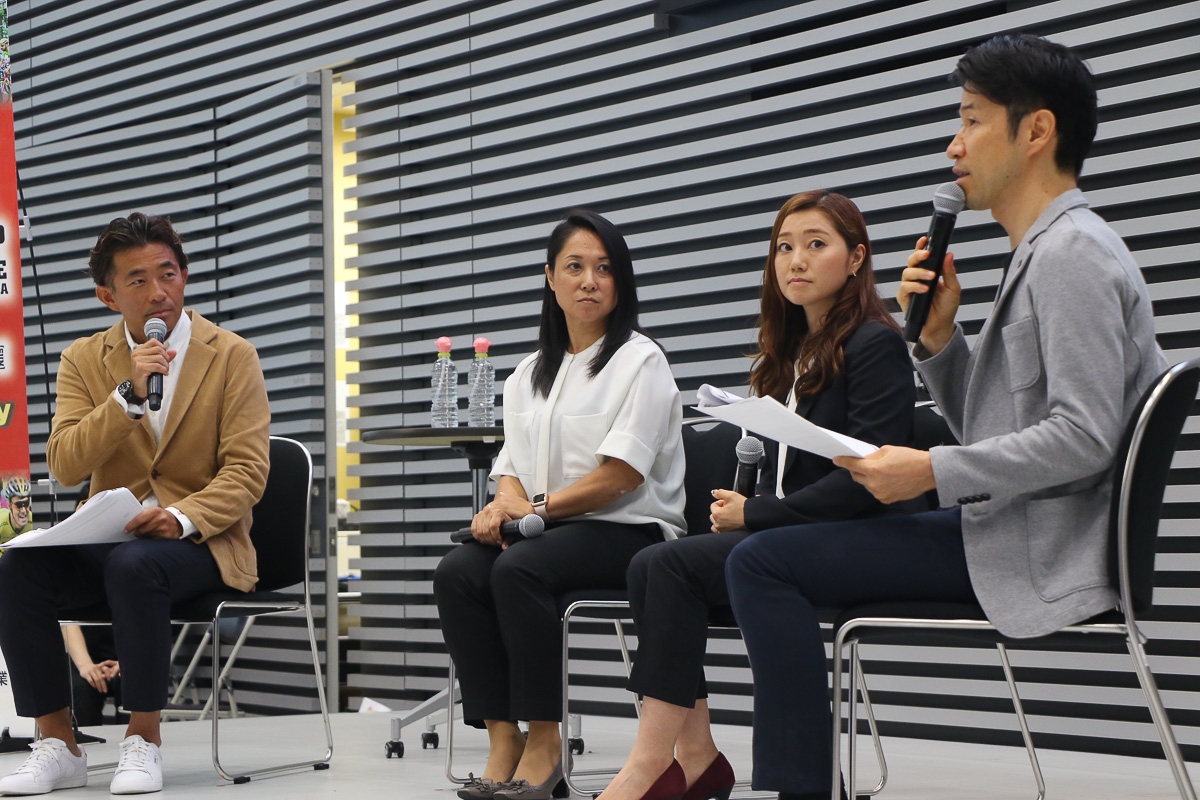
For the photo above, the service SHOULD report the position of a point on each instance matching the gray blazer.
(1040, 403)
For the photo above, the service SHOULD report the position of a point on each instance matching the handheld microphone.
(948, 200)
(529, 526)
(155, 329)
(749, 454)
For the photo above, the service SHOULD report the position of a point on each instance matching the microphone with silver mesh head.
(155, 329)
(529, 526)
(749, 455)
(948, 200)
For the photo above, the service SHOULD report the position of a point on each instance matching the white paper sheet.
(767, 417)
(101, 519)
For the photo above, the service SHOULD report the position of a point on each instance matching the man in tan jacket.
(198, 464)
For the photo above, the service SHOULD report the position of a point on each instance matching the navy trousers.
(779, 578)
(138, 580)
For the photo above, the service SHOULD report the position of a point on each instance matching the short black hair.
(1024, 73)
(553, 338)
(136, 230)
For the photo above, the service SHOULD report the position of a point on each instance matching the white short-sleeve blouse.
(630, 410)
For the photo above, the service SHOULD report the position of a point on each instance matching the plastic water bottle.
(445, 388)
(481, 409)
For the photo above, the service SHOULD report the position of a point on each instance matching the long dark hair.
(783, 336)
(622, 322)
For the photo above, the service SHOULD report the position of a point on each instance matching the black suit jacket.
(871, 400)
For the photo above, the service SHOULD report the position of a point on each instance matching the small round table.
(478, 445)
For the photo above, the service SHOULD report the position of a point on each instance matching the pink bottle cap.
(443, 344)
(482, 345)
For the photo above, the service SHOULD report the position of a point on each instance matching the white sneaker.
(50, 767)
(139, 769)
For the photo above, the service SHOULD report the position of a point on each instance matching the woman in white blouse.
(592, 443)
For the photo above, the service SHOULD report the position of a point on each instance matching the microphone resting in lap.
(829, 349)
(592, 443)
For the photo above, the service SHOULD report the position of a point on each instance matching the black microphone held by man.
(948, 200)
(155, 329)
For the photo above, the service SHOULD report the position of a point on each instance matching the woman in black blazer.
(829, 349)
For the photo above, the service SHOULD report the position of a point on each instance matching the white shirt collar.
(181, 333)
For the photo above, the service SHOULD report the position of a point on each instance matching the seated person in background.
(1039, 401)
(198, 465)
(93, 683)
(592, 441)
(830, 351)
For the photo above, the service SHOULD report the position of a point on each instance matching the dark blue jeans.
(779, 578)
(138, 580)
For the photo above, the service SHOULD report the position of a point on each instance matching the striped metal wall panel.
(243, 181)
(688, 123)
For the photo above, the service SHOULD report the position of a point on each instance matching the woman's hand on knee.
(485, 526)
(728, 511)
(514, 506)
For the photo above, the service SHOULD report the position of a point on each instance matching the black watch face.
(125, 389)
(539, 498)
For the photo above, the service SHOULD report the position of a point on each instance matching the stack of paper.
(767, 417)
(101, 519)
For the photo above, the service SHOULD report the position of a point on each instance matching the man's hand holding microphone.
(148, 363)
(892, 474)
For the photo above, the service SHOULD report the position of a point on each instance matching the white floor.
(919, 770)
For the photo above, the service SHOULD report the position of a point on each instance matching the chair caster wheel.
(575, 745)
(394, 748)
(429, 739)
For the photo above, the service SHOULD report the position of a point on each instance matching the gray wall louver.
(687, 122)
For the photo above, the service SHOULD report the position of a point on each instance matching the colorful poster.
(15, 509)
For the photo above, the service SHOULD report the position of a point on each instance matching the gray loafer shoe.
(554, 786)
(482, 788)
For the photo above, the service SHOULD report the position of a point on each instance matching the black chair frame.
(1141, 479)
(287, 497)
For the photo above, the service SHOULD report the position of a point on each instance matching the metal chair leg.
(568, 773)
(1159, 714)
(852, 714)
(213, 703)
(866, 700)
(839, 642)
(637, 700)
(452, 696)
(1020, 709)
(186, 681)
(320, 763)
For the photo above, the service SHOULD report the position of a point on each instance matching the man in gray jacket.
(1039, 402)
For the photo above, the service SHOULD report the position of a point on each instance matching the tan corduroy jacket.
(212, 461)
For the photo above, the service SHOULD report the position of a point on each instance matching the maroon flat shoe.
(715, 783)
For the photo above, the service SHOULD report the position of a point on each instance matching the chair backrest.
(280, 529)
(1143, 463)
(711, 464)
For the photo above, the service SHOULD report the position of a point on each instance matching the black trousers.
(500, 617)
(675, 588)
(777, 580)
(139, 580)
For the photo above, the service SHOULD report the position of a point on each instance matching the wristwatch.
(539, 505)
(126, 392)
